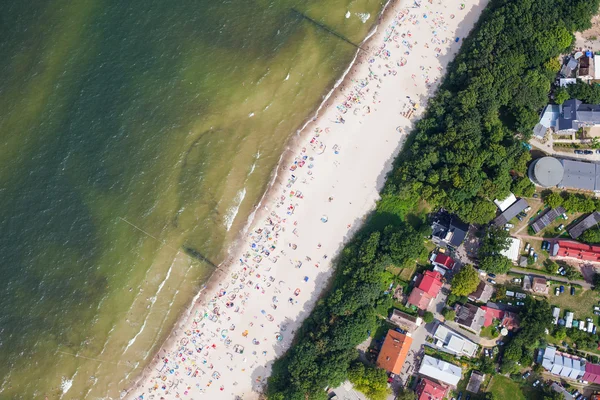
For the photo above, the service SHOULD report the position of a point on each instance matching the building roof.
(591, 220)
(483, 293)
(511, 212)
(592, 373)
(596, 66)
(441, 371)
(546, 219)
(419, 299)
(394, 351)
(454, 342)
(475, 382)
(431, 283)
(448, 229)
(562, 364)
(470, 316)
(491, 314)
(513, 251)
(429, 390)
(405, 321)
(444, 260)
(546, 171)
(539, 285)
(572, 249)
(579, 175)
(507, 202)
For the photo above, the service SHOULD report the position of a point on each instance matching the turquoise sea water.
(133, 134)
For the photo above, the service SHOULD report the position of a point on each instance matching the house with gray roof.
(575, 114)
(588, 222)
(511, 212)
(562, 364)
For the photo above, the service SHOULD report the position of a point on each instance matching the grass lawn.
(581, 304)
(506, 389)
(487, 332)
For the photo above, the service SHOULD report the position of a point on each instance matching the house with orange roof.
(394, 351)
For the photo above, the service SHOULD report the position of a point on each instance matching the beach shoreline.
(323, 148)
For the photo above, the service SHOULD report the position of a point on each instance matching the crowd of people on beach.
(245, 324)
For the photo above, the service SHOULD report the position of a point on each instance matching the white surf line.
(152, 301)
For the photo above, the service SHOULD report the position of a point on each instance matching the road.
(537, 273)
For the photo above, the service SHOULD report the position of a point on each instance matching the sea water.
(135, 139)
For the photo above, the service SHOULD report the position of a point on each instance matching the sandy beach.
(328, 180)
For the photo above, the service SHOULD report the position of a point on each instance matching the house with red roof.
(592, 373)
(427, 287)
(572, 249)
(443, 261)
(506, 318)
(429, 390)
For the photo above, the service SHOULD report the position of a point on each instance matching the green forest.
(466, 151)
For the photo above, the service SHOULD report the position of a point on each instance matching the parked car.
(572, 291)
(588, 152)
(578, 152)
(520, 217)
(520, 303)
(556, 291)
(535, 257)
(509, 225)
(560, 227)
(527, 209)
(562, 288)
(598, 151)
(527, 247)
(493, 282)
(492, 275)
(536, 383)
(517, 280)
(564, 215)
(596, 312)
(526, 374)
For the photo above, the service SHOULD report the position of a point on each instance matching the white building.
(453, 342)
(513, 252)
(507, 202)
(569, 319)
(564, 365)
(556, 315)
(440, 370)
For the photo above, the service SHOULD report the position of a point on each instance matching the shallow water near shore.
(135, 140)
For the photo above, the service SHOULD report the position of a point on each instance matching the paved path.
(537, 273)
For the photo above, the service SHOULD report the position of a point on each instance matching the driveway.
(547, 148)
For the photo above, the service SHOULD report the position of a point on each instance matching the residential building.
(513, 251)
(572, 249)
(562, 364)
(431, 390)
(592, 373)
(427, 287)
(443, 261)
(440, 371)
(576, 114)
(546, 219)
(470, 316)
(453, 342)
(539, 285)
(405, 321)
(482, 294)
(548, 119)
(448, 230)
(526, 282)
(394, 351)
(590, 221)
(475, 382)
(507, 319)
